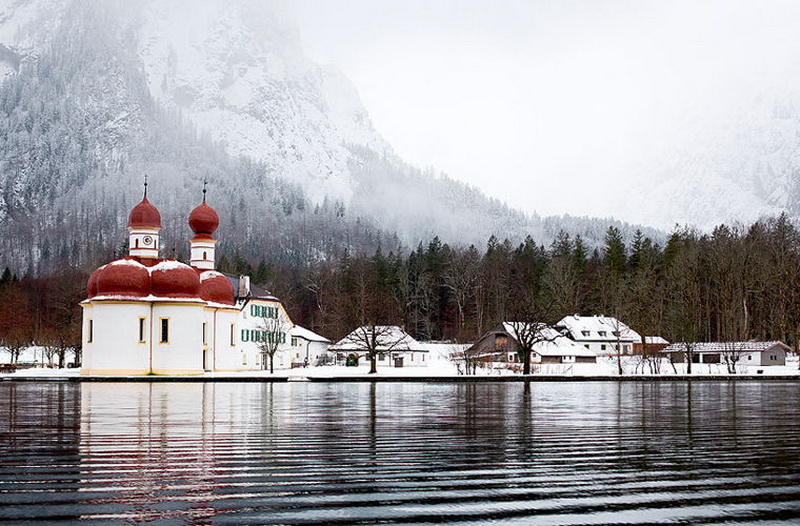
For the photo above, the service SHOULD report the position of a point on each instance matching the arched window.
(204, 255)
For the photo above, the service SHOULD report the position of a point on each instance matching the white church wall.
(115, 347)
(182, 352)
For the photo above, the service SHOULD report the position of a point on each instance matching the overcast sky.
(547, 105)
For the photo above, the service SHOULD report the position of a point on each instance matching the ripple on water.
(309, 453)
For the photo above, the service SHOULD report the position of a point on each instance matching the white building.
(307, 347)
(396, 348)
(148, 315)
(742, 353)
(603, 335)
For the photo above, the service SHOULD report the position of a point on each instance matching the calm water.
(301, 453)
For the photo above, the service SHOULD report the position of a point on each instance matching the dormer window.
(615, 333)
(584, 333)
(601, 333)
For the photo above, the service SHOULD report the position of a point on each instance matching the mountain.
(96, 94)
(735, 162)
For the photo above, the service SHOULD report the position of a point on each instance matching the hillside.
(95, 95)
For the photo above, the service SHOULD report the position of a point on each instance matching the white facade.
(603, 335)
(144, 242)
(202, 253)
(144, 315)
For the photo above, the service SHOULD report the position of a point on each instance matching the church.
(150, 315)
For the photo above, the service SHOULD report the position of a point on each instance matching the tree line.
(735, 283)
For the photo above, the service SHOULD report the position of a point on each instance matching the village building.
(395, 347)
(742, 353)
(307, 347)
(150, 315)
(603, 335)
(500, 344)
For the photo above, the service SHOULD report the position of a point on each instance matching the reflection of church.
(150, 315)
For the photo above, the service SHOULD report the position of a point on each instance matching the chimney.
(244, 286)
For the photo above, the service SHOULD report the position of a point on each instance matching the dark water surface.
(308, 453)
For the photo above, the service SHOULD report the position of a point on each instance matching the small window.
(204, 333)
(204, 256)
(615, 333)
(164, 330)
(233, 334)
(295, 343)
(586, 345)
(749, 356)
(136, 243)
(601, 333)
(423, 357)
(90, 336)
(585, 333)
(603, 347)
(141, 330)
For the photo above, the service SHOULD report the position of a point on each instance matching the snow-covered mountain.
(733, 163)
(95, 94)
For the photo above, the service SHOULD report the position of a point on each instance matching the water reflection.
(301, 453)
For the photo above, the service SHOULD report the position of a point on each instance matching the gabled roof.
(305, 334)
(655, 340)
(388, 338)
(728, 347)
(553, 342)
(598, 328)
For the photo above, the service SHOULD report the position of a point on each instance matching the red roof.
(123, 277)
(216, 288)
(203, 220)
(144, 215)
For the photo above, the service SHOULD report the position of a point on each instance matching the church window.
(136, 243)
(204, 333)
(164, 330)
(90, 332)
(233, 334)
(141, 330)
(204, 255)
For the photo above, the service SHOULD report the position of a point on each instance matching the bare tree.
(732, 354)
(374, 340)
(528, 335)
(271, 338)
(466, 360)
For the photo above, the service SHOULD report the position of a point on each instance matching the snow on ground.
(606, 366)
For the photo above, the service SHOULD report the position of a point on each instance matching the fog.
(553, 106)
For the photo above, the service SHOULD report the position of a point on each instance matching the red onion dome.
(173, 279)
(91, 285)
(216, 288)
(203, 220)
(123, 277)
(144, 215)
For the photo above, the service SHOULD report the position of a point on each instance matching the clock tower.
(144, 225)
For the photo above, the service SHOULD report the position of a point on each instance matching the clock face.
(147, 240)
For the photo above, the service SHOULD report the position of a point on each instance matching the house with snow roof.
(307, 347)
(744, 353)
(396, 348)
(499, 344)
(603, 335)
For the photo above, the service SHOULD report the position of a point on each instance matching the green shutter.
(245, 335)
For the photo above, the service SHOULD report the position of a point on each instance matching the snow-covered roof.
(598, 328)
(554, 343)
(655, 340)
(727, 346)
(301, 332)
(388, 337)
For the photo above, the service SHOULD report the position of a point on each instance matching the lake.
(401, 453)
